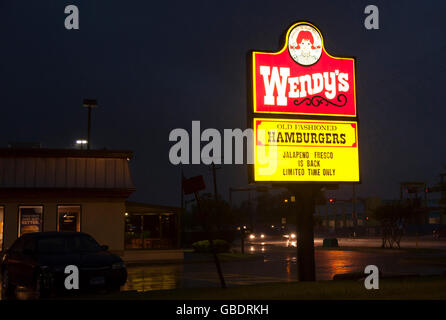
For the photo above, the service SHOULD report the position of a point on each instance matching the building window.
(68, 218)
(2, 217)
(30, 219)
(151, 231)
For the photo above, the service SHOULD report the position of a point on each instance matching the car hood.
(81, 260)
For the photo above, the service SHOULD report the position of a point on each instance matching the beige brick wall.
(105, 222)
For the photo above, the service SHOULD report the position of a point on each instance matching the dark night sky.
(156, 67)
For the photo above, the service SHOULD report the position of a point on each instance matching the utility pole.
(217, 262)
(211, 243)
(182, 193)
(89, 128)
(89, 103)
(251, 218)
(258, 189)
(214, 175)
(194, 185)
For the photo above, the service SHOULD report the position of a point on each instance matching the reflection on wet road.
(188, 275)
(158, 277)
(278, 265)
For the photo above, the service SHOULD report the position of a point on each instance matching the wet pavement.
(277, 265)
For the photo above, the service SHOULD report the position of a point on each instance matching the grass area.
(410, 288)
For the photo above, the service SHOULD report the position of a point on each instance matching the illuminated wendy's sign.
(303, 78)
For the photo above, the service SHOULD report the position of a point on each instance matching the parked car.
(38, 261)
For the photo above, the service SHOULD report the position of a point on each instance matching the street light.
(89, 103)
(81, 143)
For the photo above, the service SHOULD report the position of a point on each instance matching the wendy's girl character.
(303, 47)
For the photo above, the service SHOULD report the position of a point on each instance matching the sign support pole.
(305, 196)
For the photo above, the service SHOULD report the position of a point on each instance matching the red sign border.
(285, 47)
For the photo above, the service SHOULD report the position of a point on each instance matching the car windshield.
(67, 244)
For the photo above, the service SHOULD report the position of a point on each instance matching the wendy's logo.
(305, 45)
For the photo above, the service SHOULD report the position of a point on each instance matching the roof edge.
(140, 205)
(62, 153)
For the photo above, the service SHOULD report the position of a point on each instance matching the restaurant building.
(83, 191)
